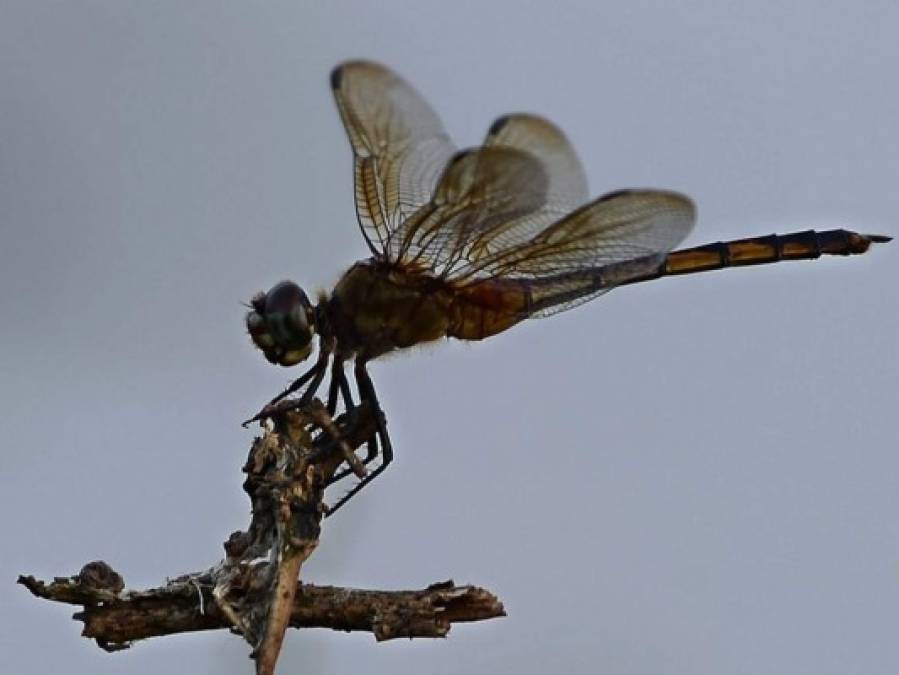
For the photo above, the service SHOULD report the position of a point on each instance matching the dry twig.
(255, 590)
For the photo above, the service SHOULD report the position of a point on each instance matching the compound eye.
(284, 298)
(283, 321)
(258, 331)
(257, 302)
(255, 322)
(300, 319)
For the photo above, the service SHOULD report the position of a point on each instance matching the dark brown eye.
(255, 323)
(284, 298)
(279, 323)
(257, 302)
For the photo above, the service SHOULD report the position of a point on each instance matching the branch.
(255, 590)
(115, 619)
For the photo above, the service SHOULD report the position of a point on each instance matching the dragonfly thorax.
(377, 308)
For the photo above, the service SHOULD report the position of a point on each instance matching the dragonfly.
(466, 244)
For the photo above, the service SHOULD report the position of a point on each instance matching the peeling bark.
(255, 591)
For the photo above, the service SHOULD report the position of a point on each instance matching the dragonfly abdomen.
(549, 294)
(806, 245)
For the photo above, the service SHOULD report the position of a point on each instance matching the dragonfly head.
(281, 324)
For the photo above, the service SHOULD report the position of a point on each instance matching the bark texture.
(255, 591)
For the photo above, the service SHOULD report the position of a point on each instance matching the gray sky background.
(691, 476)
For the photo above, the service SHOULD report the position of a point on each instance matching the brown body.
(378, 307)
(466, 244)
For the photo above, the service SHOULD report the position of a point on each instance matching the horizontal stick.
(186, 604)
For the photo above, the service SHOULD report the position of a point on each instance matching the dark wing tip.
(362, 68)
(614, 195)
(336, 77)
(459, 155)
(498, 125)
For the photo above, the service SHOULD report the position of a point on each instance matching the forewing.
(399, 147)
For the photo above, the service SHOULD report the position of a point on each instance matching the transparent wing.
(399, 147)
(480, 191)
(567, 184)
(524, 177)
(619, 237)
(498, 214)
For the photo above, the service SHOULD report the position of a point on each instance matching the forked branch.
(255, 590)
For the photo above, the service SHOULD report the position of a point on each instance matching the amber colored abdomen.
(772, 248)
(487, 308)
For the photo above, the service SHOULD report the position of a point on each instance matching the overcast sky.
(691, 476)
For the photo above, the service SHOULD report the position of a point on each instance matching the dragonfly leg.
(367, 394)
(316, 374)
(338, 386)
(370, 454)
(313, 377)
(345, 390)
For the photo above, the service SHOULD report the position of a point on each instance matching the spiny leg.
(370, 454)
(315, 374)
(340, 387)
(340, 384)
(345, 390)
(367, 394)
